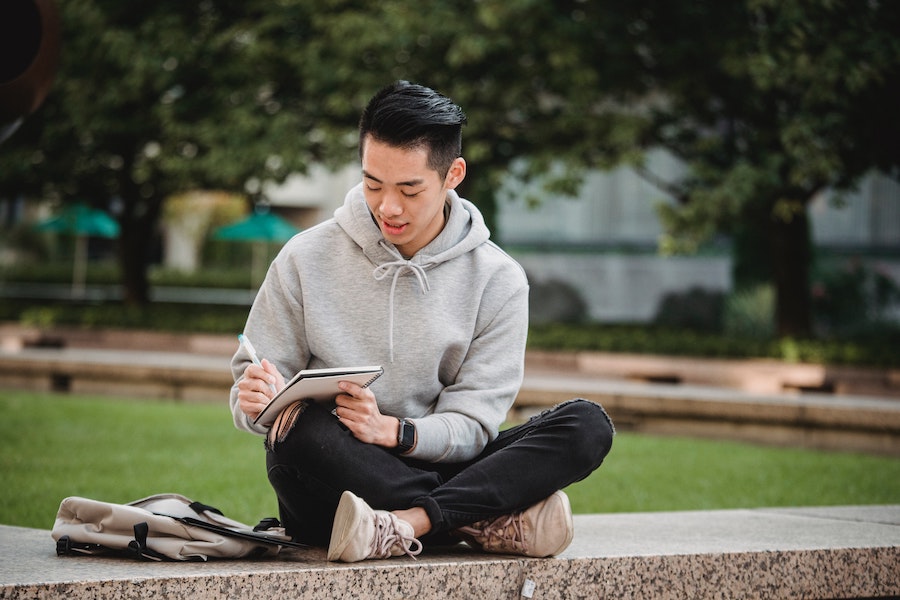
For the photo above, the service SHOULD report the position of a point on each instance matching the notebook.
(316, 384)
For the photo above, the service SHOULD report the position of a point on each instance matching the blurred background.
(684, 181)
(723, 169)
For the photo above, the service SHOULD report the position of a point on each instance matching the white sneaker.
(545, 529)
(359, 533)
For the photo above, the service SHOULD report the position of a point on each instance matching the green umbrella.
(79, 219)
(258, 227)
(261, 228)
(83, 222)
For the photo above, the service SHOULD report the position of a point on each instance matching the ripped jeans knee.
(284, 423)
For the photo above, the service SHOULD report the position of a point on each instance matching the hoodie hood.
(464, 231)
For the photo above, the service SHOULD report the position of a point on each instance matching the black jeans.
(319, 458)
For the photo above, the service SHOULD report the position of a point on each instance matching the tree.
(157, 98)
(795, 97)
(766, 101)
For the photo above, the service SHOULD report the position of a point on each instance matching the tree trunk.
(136, 241)
(790, 254)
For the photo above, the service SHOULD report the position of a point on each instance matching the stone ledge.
(174, 375)
(761, 376)
(829, 552)
(851, 423)
(750, 375)
(857, 423)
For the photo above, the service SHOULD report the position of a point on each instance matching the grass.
(53, 446)
(651, 473)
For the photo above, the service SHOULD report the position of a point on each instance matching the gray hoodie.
(448, 325)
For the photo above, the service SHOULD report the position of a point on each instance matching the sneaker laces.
(504, 532)
(388, 535)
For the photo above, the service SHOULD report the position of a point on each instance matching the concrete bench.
(176, 375)
(759, 376)
(836, 552)
(823, 421)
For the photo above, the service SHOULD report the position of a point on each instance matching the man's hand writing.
(254, 389)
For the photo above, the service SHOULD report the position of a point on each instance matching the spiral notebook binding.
(374, 377)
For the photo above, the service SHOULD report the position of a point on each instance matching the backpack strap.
(138, 546)
(66, 546)
(267, 523)
(199, 507)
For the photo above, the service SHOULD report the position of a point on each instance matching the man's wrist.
(393, 433)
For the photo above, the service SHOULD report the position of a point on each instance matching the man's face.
(405, 195)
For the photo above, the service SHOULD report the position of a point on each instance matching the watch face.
(407, 434)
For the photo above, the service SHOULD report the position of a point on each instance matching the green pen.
(245, 342)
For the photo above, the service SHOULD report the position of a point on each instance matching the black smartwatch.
(406, 436)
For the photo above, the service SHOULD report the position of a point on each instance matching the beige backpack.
(162, 527)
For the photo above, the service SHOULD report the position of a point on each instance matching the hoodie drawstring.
(398, 267)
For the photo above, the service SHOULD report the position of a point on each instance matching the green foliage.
(791, 99)
(745, 318)
(162, 98)
(875, 349)
(203, 318)
(60, 272)
(766, 102)
(99, 273)
(642, 340)
(695, 309)
(29, 244)
(852, 299)
(149, 447)
(749, 313)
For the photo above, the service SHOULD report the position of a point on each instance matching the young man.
(405, 276)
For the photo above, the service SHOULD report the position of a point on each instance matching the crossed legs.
(312, 460)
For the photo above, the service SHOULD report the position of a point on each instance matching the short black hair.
(407, 115)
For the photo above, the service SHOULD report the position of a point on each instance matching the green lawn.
(53, 446)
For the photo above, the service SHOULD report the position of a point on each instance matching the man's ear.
(455, 174)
